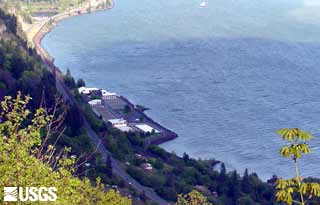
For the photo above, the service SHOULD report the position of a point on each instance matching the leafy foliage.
(192, 198)
(174, 174)
(21, 68)
(20, 140)
(296, 190)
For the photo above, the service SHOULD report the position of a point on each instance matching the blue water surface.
(224, 78)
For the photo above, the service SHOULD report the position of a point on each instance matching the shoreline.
(48, 24)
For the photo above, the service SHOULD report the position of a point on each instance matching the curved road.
(116, 168)
(67, 96)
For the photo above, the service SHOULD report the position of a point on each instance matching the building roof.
(85, 90)
(146, 128)
(95, 102)
(120, 124)
(123, 128)
(117, 121)
(106, 93)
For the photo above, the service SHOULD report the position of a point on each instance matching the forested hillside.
(20, 68)
(47, 132)
(58, 128)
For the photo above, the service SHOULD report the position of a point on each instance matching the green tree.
(222, 188)
(223, 171)
(69, 80)
(158, 164)
(185, 157)
(109, 167)
(192, 198)
(245, 201)
(245, 183)
(80, 83)
(23, 162)
(234, 187)
(296, 190)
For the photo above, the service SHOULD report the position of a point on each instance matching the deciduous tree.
(20, 165)
(296, 190)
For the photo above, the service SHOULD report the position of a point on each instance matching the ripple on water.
(210, 75)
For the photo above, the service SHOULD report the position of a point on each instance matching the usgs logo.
(30, 194)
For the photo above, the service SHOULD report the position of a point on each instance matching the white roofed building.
(120, 124)
(95, 102)
(108, 95)
(118, 121)
(105, 94)
(146, 128)
(87, 91)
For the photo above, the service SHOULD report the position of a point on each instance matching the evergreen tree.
(74, 120)
(185, 157)
(80, 83)
(222, 188)
(246, 200)
(245, 183)
(234, 187)
(109, 167)
(69, 80)
(223, 171)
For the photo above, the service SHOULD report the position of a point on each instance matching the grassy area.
(29, 8)
(61, 5)
(34, 6)
(26, 9)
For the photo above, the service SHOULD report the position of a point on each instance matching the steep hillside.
(33, 147)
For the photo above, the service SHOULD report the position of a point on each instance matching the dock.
(125, 116)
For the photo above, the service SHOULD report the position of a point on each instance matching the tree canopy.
(20, 139)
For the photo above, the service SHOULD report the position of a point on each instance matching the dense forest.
(21, 69)
(30, 153)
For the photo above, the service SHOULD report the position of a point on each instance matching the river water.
(224, 77)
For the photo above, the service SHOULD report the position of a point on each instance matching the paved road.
(117, 169)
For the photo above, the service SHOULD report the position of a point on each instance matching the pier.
(125, 116)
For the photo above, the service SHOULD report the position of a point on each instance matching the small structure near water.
(95, 102)
(87, 91)
(125, 116)
(146, 128)
(120, 124)
(108, 95)
(103, 93)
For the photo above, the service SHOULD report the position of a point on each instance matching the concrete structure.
(120, 124)
(124, 128)
(146, 128)
(95, 102)
(108, 95)
(87, 91)
(111, 108)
